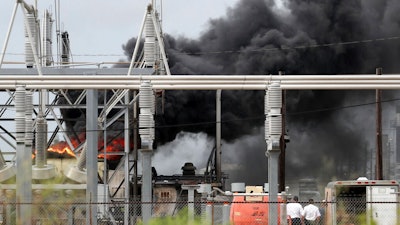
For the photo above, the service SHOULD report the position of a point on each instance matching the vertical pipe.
(283, 213)
(282, 156)
(126, 163)
(136, 155)
(28, 151)
(273, 159)
(378, 164)
(191, 204)
(204, 216)
(105, 171)
(146, 185)
(190, 189)
(209, 213)
(91, 155)
(23, 161)
(218, 136)
(225, 213)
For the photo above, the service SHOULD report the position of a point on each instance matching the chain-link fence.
(343, 212)
(351, 211)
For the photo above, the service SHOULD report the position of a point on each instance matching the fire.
(116, 145)
(62, 148)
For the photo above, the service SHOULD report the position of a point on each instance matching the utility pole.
(283, 140)
(218, 137)
(378, 164)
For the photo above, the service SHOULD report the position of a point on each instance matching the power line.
(293, 47)
(235, 120)
(309, 46)
(340, 107)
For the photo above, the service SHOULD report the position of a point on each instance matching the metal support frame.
(91, 155)
(218, 146)
(146, 185)
(24, 161)
(247, 82)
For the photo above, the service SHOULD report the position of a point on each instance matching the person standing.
(311, 213)
(294, 210)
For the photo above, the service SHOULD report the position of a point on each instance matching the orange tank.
(250, 210)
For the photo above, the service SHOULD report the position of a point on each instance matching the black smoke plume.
(257, 37)
(307, 37)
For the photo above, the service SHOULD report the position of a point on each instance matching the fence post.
(225, 213)
(190, 189)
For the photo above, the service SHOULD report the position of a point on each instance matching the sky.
(99, 27)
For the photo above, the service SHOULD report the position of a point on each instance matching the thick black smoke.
(307, 37)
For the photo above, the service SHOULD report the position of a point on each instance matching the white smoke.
(244, 154)
(187, 147)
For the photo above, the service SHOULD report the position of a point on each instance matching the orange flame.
(116, 145)
(61, 148)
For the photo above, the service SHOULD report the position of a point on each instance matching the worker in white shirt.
(311, 214)
(294, 211)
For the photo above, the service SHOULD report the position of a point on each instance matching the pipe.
(183, 83)
(208, 87)
(245, 78)
(129, 85)
(204, 82)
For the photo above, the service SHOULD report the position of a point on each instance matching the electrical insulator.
(273, 116)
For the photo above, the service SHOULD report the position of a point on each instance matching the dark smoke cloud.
(255, 37)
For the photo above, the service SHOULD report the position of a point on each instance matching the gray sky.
(103, 26)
